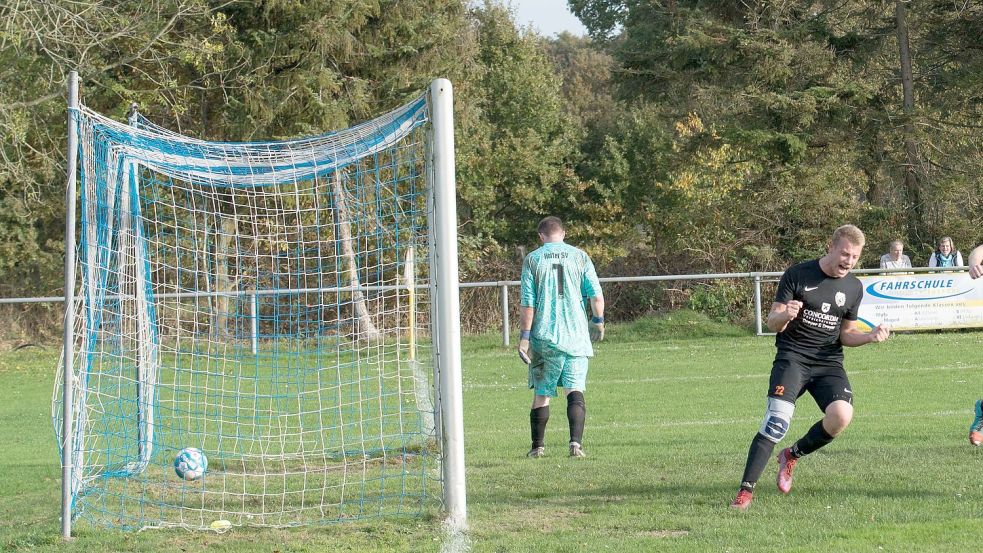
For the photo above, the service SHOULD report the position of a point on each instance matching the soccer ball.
(190, 463)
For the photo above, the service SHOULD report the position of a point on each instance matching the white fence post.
(757, 304)
(254, 322)
(505, 315)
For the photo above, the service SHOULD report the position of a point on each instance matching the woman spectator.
(946, 255)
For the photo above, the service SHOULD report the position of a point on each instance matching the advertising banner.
(922, 301)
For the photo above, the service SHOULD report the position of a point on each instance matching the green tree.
(805, 105)
(517, 146)
(587, 76)
(218, 70)
(116, 47)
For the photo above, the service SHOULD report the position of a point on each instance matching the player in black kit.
(815, 315)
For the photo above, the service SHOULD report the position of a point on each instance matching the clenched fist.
(880, 333)
(792, 309)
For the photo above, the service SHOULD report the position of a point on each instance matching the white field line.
(751, 421)
(601, 381)
(455, 538)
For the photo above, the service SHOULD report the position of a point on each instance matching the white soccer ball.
(190, 463)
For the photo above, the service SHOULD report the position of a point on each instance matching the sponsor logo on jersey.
(823, 321)
(840, 299)
(810, 288)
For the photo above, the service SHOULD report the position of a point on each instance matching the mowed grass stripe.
(669, 422)
(668, 429)
(762, 375)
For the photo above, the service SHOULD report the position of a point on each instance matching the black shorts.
(792, 376)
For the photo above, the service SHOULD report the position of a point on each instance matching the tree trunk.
(912, 182)
(224, 285)
(366, 328)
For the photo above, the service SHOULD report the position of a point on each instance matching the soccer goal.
(287, 308)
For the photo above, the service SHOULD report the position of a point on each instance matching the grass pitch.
(670, 418)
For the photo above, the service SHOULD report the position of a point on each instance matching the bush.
(723, 300)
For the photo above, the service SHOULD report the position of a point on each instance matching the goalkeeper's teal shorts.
(552, 368)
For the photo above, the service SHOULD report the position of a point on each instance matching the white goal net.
(272, 304)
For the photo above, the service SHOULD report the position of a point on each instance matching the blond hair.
(850, 233)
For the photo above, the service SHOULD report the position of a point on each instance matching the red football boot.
(742, 501)
(976, 429)
(786, 464)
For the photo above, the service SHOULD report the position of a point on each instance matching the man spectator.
(895, 257)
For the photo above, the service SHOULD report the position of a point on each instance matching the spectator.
(946, 255)
(895, 257)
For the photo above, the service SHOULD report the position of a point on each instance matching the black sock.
(758, 456)
(537, 422)
(576, 413)
(814, 439)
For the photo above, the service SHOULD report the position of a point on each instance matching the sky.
(549, 16)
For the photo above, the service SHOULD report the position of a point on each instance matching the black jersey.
(826, 301)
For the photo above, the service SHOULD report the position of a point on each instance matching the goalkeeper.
(555, 335)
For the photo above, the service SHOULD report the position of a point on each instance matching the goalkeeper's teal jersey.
(555, 280)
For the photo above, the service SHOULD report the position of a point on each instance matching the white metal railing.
(757, 278)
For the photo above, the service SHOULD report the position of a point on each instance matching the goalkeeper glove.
(524, 346)
(596, 329)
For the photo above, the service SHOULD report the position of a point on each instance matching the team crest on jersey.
(840, 299)
(825, 307)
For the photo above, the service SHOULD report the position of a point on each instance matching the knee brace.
(778, 417)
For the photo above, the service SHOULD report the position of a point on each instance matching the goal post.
(68, 337)
(290, 308)
(448, 302)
